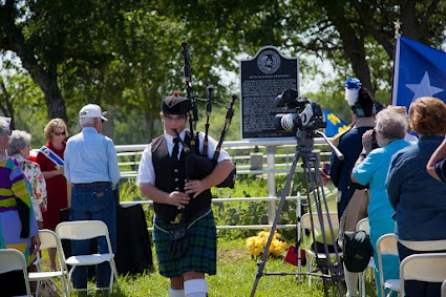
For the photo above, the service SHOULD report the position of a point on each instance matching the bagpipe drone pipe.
(198, 164)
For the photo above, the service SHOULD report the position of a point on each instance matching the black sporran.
(178, 241)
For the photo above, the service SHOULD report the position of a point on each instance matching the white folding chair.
(50, 240)
(12, 260)
(306, 225)
(443, 289)
(423, 267)
(387, 245)
(425, 245)
(83, 230)
(363, 225)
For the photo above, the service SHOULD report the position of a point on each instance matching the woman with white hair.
(17, 222)
(18, 149)
(371, 169)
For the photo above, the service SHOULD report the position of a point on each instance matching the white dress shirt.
(146, 173)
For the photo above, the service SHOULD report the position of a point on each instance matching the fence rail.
(273, 163)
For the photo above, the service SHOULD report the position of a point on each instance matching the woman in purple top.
(17, 221)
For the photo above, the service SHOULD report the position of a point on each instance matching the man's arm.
(336, 165)
(393, 181)
(218, 175)
(175, 198)
(67, 165)
(69, 194)
(113, 168)
(146, 180)
(438, 155)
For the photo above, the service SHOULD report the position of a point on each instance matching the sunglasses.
(59, 134)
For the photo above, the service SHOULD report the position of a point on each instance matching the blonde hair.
(427, 116)
(52, 125)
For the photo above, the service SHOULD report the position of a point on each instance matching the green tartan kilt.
(201, 254)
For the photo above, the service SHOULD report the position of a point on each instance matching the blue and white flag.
(420, 70)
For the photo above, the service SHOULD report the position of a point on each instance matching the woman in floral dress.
(18, 149)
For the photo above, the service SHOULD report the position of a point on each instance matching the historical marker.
(265, 76)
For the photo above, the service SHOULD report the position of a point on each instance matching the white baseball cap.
(92, 111)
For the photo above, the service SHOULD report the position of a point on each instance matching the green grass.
(235, 276)
(235, 268)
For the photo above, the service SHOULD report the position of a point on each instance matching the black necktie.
(176, 147)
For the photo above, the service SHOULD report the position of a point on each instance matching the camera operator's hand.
(368, 140)
(178, 199)
(325, 173)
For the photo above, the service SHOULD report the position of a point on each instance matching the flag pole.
(395, 66)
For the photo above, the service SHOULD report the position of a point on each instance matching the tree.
(345, 31)
(12, 38)
(52, 37)
(6, 103)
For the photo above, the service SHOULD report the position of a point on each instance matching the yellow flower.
(263, 234)
(256, 244)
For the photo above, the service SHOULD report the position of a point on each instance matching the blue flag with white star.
(420, 70)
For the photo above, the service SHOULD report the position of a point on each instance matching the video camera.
(307, 115)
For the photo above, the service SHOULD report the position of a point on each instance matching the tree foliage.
(125, 55)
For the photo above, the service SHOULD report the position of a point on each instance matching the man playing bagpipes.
(184, 227)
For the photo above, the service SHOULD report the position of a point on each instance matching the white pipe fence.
(272, 163)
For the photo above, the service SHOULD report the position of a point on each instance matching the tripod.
(331, 270)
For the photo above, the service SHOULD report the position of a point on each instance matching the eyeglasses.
(59, 133)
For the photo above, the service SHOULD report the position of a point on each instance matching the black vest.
(170, 176)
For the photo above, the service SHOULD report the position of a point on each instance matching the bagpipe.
(198, 164)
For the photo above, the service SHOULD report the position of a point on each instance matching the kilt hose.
(201, 252)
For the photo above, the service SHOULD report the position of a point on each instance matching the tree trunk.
(6, 107)
(45, 79)
(352, 44)
(53, 97)
(409, 24)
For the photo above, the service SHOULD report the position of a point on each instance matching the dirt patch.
(233, 254)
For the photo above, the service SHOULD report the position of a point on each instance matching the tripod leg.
(335, 269)
(316, 198)
(286, 190)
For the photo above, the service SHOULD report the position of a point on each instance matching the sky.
(306, 85)
(231, 79)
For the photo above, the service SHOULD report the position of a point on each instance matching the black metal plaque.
(262, 78)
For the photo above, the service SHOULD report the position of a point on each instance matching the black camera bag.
(357, 250)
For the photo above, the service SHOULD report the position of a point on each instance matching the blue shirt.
(418, 198)
(373, 171)
(91, 157)
(350, 146)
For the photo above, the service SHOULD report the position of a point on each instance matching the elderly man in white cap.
(92, 172)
